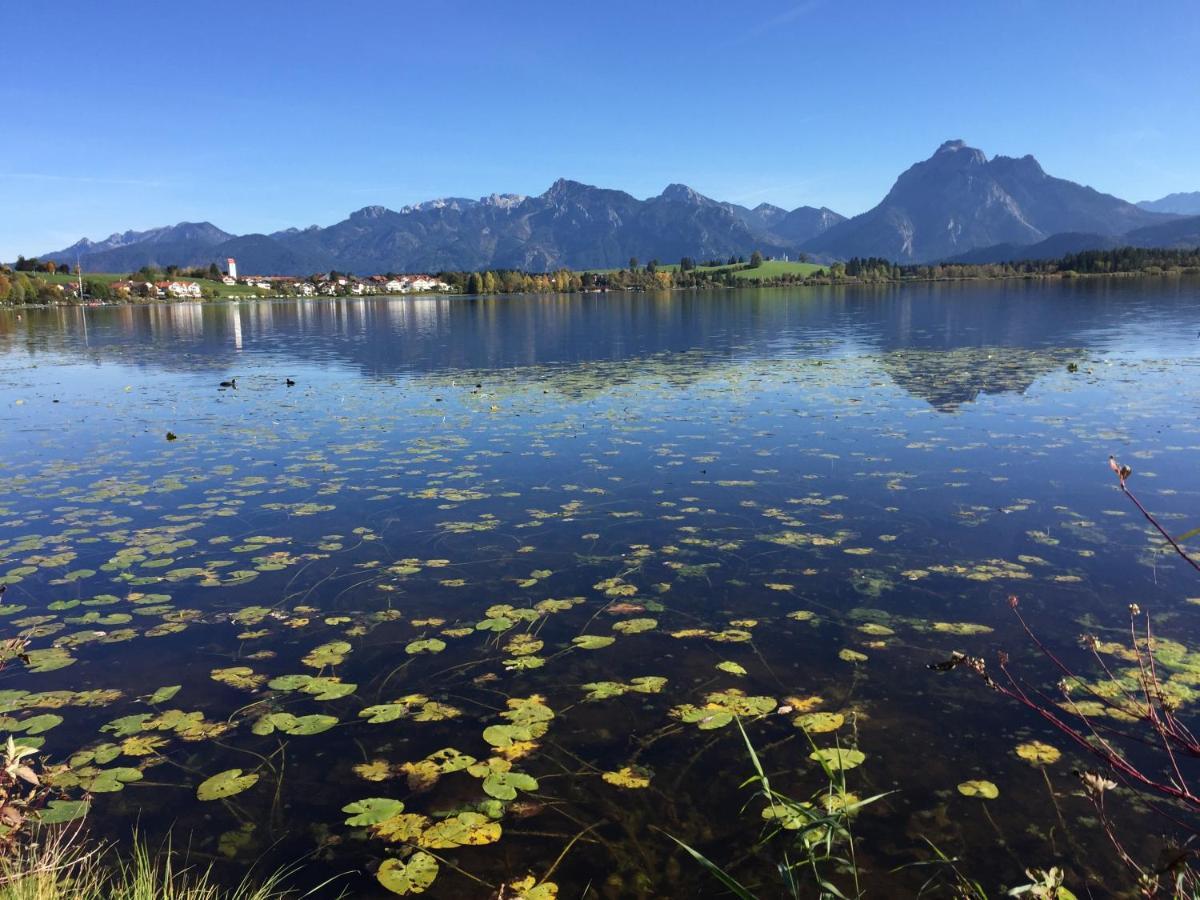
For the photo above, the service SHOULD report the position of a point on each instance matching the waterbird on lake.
(289, 382)
(232, 382)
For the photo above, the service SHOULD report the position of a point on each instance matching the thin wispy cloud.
(791, 14)
(81, 179)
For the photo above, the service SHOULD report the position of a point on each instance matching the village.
(331, 284)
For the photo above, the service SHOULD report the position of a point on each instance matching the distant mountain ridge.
(957, 204)
(958, 200)
(1183, 204)
(1175, 234)
(571, 225)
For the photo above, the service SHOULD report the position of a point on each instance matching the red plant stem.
(1153, 521)
(1105, 753)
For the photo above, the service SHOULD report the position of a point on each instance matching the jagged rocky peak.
(453, 203)
(1025, 166)
(681, 193)
(958, 152)
(503, 201)
(370, 212)
(563, 187)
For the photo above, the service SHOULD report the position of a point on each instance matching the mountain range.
(958, 204)
(1181, 204)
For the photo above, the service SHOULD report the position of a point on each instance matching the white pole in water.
(82, 313)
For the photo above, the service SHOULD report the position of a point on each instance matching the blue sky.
(264, 114)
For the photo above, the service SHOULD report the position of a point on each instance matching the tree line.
(24, 286)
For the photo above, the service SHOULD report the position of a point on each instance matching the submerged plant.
(1129, 720)
(816, 833)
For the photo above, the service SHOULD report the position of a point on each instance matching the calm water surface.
(478, 513)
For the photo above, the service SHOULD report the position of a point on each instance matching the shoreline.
(696, 289)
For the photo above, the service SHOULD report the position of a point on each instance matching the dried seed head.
(1096, 784)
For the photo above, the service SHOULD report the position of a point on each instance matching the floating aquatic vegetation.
(632, 777)
(838, 758)
(320, 688)
(242, 677)
(414, 706)
(411, 877)
(225, 784)
(293, 725)
(1037, 753)
(575, 518)
(635, 626)
(372, 810)
(978, 788)
(644, 684)
(819, 722)
(592, 641)
(721, 707)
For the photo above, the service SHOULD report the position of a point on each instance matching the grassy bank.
(224, 290)
(60, 865)
(772, 268)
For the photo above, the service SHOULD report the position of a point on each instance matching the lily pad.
(820, 722)
(59, 811)
(979, 788)
(372, 810)
(838, 758)
(330, 654)
(225, 784)
(468, 829)
(294, 725)
(1038, 754)
(504, 785)
(429, 645)
(633, 777)
(412, 877)
(592, 641)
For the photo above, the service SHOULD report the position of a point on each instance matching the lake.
(518, 567)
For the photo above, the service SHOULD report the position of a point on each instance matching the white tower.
(231, 263)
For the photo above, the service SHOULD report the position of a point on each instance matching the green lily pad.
(163, 694)
(592, 641)
(838, 758)
(504, 785)
(504, 736)
(372, 810)
(468, 829)
(59, 811)
(48, 659)
(39, 724)
(429, 645)
(979, 788)
(413, 877)
(635, 626)
(820, 722)
(330, 654)
(225, 784)
(293, 725)
(109, 781)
